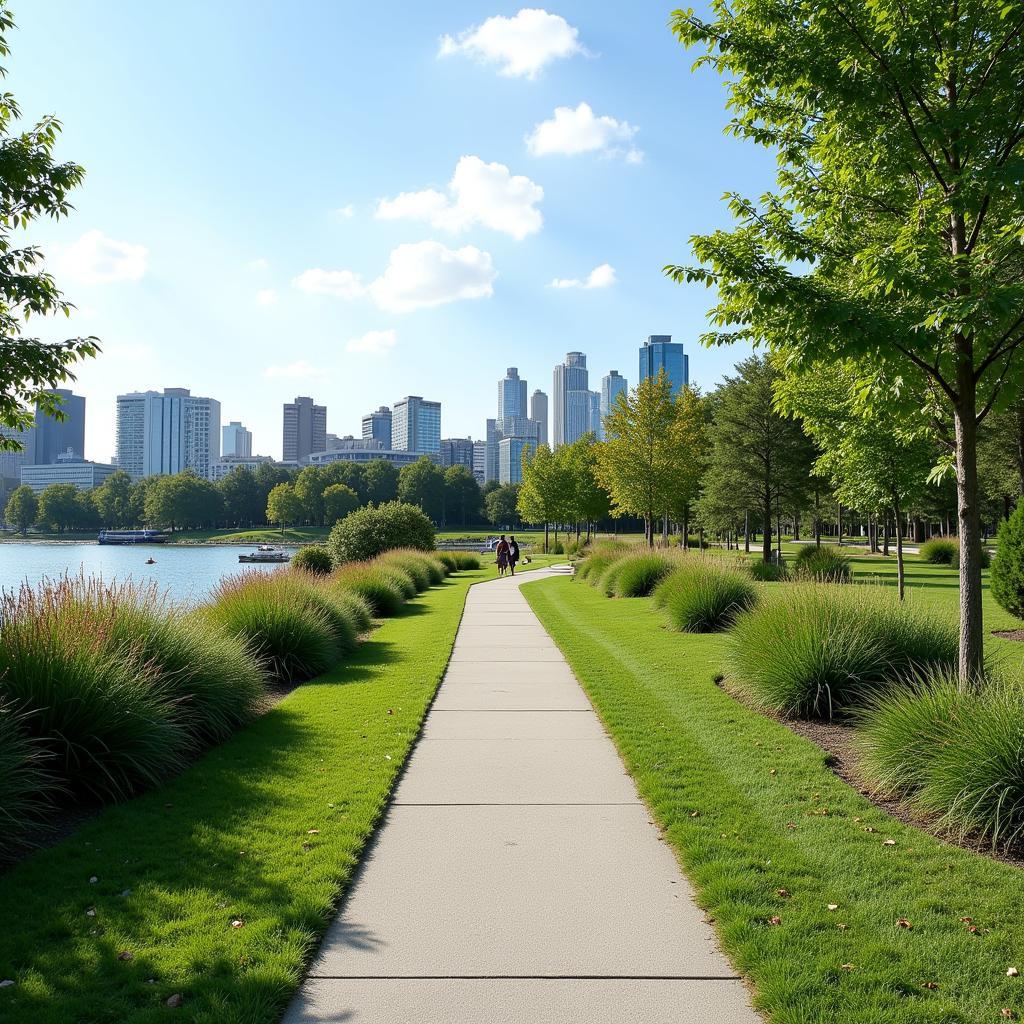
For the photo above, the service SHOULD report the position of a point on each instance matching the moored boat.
(131, 537)
(266, 553)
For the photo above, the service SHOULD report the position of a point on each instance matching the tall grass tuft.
(955, 754)
(357, 607)
(447, 559)
(376, 585)
(704, 596)
(111, 721)
(599, 557)
(940, 550)
(294, 634)
(824, 564)
(638, 575)
(466, 561)
(820, 650)
(26, 786)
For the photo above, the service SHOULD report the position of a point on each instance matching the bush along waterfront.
(108, 689)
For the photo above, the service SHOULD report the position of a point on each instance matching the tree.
(113, 500)
(541, 497)
(422, 484)
(338, 501)
(351, 474)
(635, 463)
(182, 500)
(58, 507)
(461, 495)
(875, 461)
(501, 504)
(22, 508)
(284, 506)
(760, 460)
(1001, 457)
(244, 504)
(688, 436)
(309, 488)
(372, 530)
(380, 480)
(894, 236)
(584, 499)
(32, 185)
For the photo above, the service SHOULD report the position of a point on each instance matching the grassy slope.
(751, 808)
(227, 840)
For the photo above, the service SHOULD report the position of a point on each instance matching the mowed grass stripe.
(751, 809)
(265, 830)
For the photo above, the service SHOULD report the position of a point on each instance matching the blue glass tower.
(660, 352)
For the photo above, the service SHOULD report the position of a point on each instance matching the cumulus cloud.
(266, 297)
(97, 259)
(342, 284)
(573, 131)
(301, 369)
(522, 45)
(479, 193)
(374, 342)
(600, 277)
(421, 275)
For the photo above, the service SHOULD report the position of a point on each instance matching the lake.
(185, 573)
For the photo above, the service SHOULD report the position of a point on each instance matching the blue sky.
(325, 198)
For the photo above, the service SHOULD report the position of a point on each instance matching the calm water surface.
(185, 573)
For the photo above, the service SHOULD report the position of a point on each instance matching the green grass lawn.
(767, 833)
(138, 905)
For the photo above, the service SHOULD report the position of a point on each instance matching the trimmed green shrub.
(111, 722)
(1007, 578)
(374, 529)
(376, 585)
(954, 753)
(315, 559)
(26, 787)
(824, 564)
(704, 596)
(466, 560)
(295, 635)
(766, 572)
(638, 575)
(939, 550)
(820, 650)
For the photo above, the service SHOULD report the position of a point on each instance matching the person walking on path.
(513, 554)
(502, 552)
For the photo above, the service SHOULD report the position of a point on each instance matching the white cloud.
(300, 370)
(375, 342)
(571, 132)
(266, 297)
(421, 275)
(97, 259)
(347, 212)
(479, 193)
(600, 277)
(260, 264)
(342, 284)
(523, 45)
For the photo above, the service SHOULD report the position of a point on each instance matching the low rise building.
(78, 472)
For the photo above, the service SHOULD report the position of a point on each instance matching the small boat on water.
(266, 553)
(132, 537)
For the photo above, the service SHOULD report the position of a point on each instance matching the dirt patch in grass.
(1009, 634)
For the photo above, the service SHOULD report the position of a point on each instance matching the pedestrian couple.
(508, 554)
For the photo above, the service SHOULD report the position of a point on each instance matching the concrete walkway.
(517, 876)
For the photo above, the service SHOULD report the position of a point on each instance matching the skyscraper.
(539, 415)
(572, 403)
(480, 462)
(378, 425)
(416, 426)
(52, 437)
(613, 384)
(491, 447)
(511, 395)
(457, 451)
(510, 458)
(235, 440)
(660, 352)
(167, 432)
(305, 429)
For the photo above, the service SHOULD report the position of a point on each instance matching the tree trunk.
(839, 525)
(545, 536)
(971, 636)
(686, 526)
(746, 533)
(817, 521)
(1020, 445)
(766, 526)
(899, 547)
(885, 534)
(664, 529)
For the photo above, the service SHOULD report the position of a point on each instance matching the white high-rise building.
(416, 426)
(480, 462)
(235, 440)
(573, 415)
(539, 415)
(167, 432)
(613, 384)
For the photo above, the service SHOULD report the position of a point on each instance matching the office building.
(511, 396)
(167, 432)
(457, 451)
(480, 462)
(493, 436)
(378, 425)
(235, 440)
(416, 426)
(613, 384)
(571, 400)
(52, 437)
(365, 454)
(510, 458)
(596, 426)
(539, 415)
(660, 352)
(226, 463)
(305, 429)
(70, 469)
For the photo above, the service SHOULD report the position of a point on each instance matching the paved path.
(517, 878)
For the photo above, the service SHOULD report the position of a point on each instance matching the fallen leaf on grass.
(888, 842)
(126, 954)
(93, 880)
(833, 906)
(1012, 972)
(237, 923)
(848, 967)
(175, 1000)
(784, 893)
(313, 832)
(842, 927)
(930, 984)
(1007, 1013)
(902, 922)
(775, 919)
(91, 912)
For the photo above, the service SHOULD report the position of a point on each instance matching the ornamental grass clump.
(955, 754)
(638, 575)
(704, 596)
(26, 786)
(110, 719)
(447, 559)
(766, 572)
(357, 607)
(821, 650)
(826, 565)
(466, 561)
(276, 614)
(412, 567)
(940, 550)
(376, 585)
